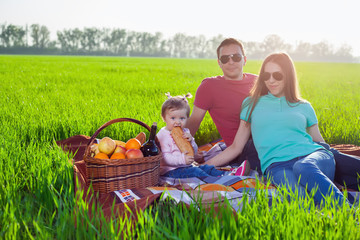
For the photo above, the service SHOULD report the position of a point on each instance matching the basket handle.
(91, 140)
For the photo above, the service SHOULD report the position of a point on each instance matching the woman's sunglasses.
(226, 58)
(278, 76)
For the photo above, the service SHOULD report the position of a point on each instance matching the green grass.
(44, 99)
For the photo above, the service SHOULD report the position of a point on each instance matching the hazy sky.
(334, 21)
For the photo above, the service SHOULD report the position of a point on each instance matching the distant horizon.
(307, 21)
(53, 37)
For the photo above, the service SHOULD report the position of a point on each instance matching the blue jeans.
(315, 170)
(347, 171)
(199, 171)
(347, 168)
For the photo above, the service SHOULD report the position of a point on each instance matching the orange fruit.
(118, 156)
(133, 143)
(101, 155)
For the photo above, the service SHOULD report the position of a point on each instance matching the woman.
(284, 130)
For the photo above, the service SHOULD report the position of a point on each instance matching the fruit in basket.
(107, 145)
(120, 149)
(118, 155)
(94, 149)
(141, 137)
(101, 155)
(133, 143)
(119, 143)
(134, 153)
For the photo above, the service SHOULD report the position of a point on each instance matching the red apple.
(134, 153)
(120, 149)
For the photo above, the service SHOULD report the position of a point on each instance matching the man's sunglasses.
(278, 76)
(226, 58)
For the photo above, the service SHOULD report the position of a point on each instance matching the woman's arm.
(231, 152)
(315, 133)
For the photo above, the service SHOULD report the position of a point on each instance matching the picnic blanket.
(213, 190)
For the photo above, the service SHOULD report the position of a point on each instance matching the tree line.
(35, 39)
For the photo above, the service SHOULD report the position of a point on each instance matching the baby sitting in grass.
(175, 112)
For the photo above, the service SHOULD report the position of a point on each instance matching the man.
(223, 95)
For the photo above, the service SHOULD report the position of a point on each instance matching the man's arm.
(195, 120)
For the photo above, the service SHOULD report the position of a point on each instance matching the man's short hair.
(229, 41)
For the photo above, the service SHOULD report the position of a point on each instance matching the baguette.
(183, 144)
(141, 137)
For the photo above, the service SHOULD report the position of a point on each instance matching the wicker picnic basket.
(108, 175)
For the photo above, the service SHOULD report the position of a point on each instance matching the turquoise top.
(279, 129)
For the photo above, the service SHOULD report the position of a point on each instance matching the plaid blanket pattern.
(209, 190)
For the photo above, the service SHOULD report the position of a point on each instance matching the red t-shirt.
(223, 99)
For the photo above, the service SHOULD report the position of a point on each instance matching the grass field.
(44, 99)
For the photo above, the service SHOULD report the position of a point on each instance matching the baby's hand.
(189, 159)
(187, 136)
